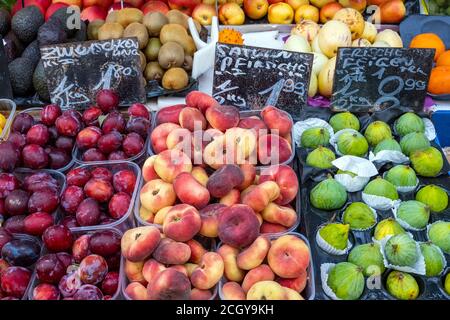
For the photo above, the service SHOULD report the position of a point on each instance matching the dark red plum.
(99, 189)
(104, 243)
(139, 110)
(49, 114)
(102, 173)
(9, 156)
(139, 126)
(58, 238)
(34, 157)
(73, 113)
(71, 199)
(114, 262)
(16, 203)
(107, 100)
(88, 137)
(93, 269)
(45, 291)
(17, 139)
(133, 144)
(117, 155)
(69, 284)
(66, 259)
(68, 125)
(45, 200)
(53, 134)
(38, 134)
(5, 237)
(50, 269)
(70, 222)
(14, 281)
(58, 158)
(119, 205)
(110, 142)
(36, 223)
(80, 248)
(65, 143)
(88, 213)
(15, 224)
(113, 121)
(110, 283)
(90, 116)
(8, 183)
(41, 181)
(78, 177)
(93, 155)
(21, 252)
(88, 292)
(124, 181)
(22, 123)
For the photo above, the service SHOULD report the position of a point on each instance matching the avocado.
(64, 17)
(5, 21)
(26, 23)
(51, 32)
(40, 82)
(13, 46)
(32, 52)
(21, 75)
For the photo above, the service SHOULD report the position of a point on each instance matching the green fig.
(402, 285)
(414, 141)
(401, 250)
(359, 216)
(434, 197)
(387, 144)
(382, 188)
(376, 132)
(328, 195)
(439, 234)
(434, 259)
(368, 257)
(314, 137)
(352, 143)
(427, 162)
(414, 213)
(346, 280)
(409, 122)
(402, 176)
(321, 158)
(386, 228)
(336, 235)
(447, 283)
(344, 120)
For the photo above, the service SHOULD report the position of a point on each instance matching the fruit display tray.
(207, 243)
(35, 281)
(431, 288)
(8, 110)
(309, 292)
(139, 158)
(127, 221)
(243, 114)
(36, 114)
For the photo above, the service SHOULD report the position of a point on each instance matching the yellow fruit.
(2, 121)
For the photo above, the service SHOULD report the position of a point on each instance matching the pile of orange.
(440, 74)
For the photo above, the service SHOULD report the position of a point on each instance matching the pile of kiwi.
(166, 47)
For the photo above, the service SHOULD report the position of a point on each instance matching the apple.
(53, 8)
(118, 6)
(153, 6)
(275, 1)
(106, 4)
(256, 9)
(307, 12)
(231, 13)
(320, 3)
(359, 5)
(77, 3)
(204, 13)
(41, 4)
(280, 13)
(328, 11)
(133, 3)
(185, 6)
(296, 3)
(93, 13)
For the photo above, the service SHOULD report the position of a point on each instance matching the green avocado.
(21, 76)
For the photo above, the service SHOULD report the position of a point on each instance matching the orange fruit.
(444, 59)
(440, 80)
(428, 40)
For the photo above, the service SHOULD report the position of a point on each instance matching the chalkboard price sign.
(5, 84)
(77, 71)
(247, 76)
(371, 79)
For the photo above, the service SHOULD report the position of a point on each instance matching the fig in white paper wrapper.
(433, 196)
(315, 137)
(439, 233)
(376, 132)
(333, 238)
(321, 158)
(435, 261)
(414, 141)
(427, 162)
(368, 257)
(388, 150)
(407, 123)
(380, 194)
(387, 227)
(342, 281)
(359, 216)
(351, 142)
(328, 195)
(344, 120)
(402, 177)
(402, 286)
(412, 215)
(301, 126)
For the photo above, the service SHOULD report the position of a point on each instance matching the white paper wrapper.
(375, 215)
(403, 223)
(351, 184)
(419, 266)
(377, 202)
(359, 166)
(324, 270)
(301, 126)
(430, 131)
(444, 260)
(388, 156)
(405, 189)
(334, 138)
(328, 248)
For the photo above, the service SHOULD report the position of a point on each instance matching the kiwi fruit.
(139, 31)
(187, 64)
(154, 21)
(153, 71)
(171, 55)
(110, 30)
(175, 79)
(92, 30)
(112, 16)
(143, 60)
(152, 49)
(178, 17)
(176, 33)
(127, 16)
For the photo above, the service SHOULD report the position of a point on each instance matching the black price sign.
(371, 79)
(5, 83)
(247, 76)
(77, 71)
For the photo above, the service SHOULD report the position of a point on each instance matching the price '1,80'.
(390, 86)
